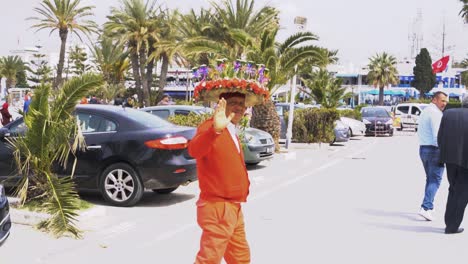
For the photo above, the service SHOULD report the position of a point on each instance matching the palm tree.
(464, 10)
(10, 67)
(237, 25)
(195, 28)
(65, 16)
(229, 31)
(280, 59)
(169, 48)
(50, 128)
(111, 60)
(382, 72)
(325, 89)
(136, 26)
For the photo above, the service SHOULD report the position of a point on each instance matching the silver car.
(258, 144)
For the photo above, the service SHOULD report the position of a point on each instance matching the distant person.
(129, 102)
(27, 102)
(118, 100)
(453, 144)
(84, 100)
(166, 100)
(428, 127)
(6, 116)
(93, 100)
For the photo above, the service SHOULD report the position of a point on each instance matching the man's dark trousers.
(458, 196)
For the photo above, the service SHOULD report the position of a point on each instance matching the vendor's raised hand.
(220, 119)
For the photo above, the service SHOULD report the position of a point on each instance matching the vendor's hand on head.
(220, 119)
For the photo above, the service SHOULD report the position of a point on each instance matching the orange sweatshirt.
(222, 174)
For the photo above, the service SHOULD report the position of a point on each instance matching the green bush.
(450, 104)
(314, 125)
(453, 104)
(191, 120)
(351, 113)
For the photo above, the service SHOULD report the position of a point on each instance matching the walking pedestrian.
(222, 175)
(453, 144)
(428, 127)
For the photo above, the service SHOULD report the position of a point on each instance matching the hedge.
(314, 125)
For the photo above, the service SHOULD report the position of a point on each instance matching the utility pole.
(300, 23)
(443, 38)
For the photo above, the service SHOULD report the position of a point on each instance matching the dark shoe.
(459, 230)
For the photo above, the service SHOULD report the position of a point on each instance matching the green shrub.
(453, 104)
(314, 125)
(450, 104)
(351, 113)
(191, 120)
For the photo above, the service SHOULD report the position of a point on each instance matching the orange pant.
(223, 233)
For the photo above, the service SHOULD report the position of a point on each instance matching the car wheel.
(334, 140)
(165, 191)
(350, 133)
(120, 185)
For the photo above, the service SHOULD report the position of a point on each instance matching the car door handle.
(94, 147)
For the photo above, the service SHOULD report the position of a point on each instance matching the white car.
(356, 127)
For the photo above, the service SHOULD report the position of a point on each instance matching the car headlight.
(365, 121)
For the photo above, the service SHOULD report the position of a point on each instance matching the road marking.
(172, 233)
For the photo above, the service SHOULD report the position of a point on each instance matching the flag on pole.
(440, 65)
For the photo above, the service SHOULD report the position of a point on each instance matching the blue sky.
(358, 28)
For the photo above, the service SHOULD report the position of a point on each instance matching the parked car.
(259, 144)
(5, 222)
(356, 127)
(341, 132)
(127, 151)
(408, 115)
(377, 120)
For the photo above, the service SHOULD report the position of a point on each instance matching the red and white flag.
(440, 65)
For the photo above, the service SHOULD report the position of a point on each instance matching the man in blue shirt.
(428, 128)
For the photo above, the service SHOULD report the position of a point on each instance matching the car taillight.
(177, 142)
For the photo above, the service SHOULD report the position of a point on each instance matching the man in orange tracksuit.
(224, 184)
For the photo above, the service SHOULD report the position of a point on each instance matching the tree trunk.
(144, 81)
(63, 38)
(265, 117)
(164, 69)
(149, 76)
(8, 83)
(381, 95)
(136, 73)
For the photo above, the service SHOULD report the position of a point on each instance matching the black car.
(5, 222)
(127, 151)
(377, 120)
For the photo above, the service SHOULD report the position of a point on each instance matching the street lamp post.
(300, 23)
(291, 109)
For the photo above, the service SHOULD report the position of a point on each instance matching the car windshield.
(374, 112)
(147, 119)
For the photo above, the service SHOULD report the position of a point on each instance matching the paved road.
(354, 203)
